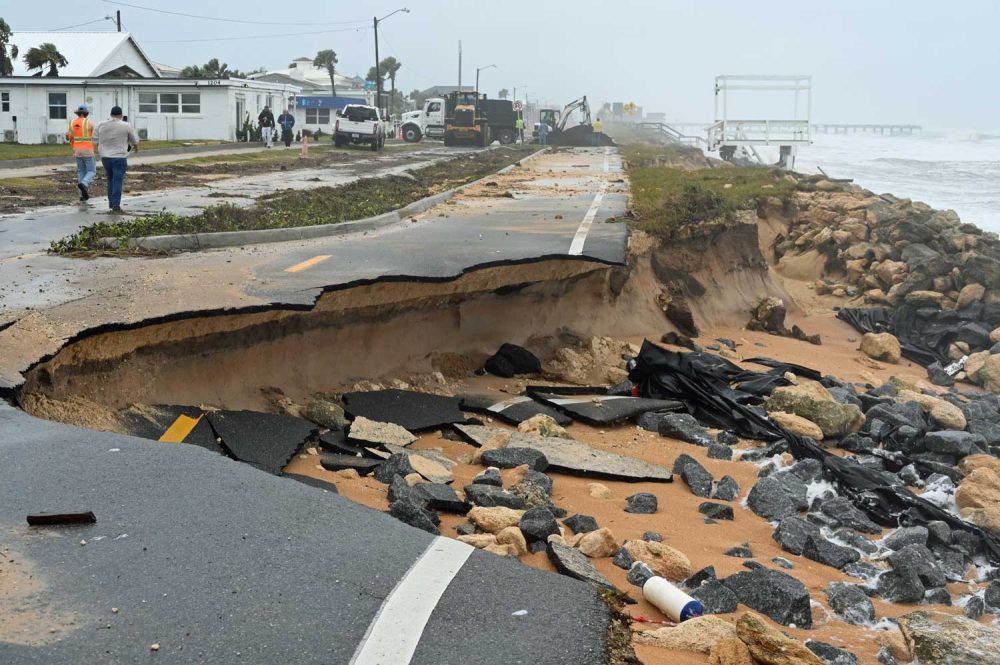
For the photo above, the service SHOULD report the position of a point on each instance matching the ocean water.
(956, 169)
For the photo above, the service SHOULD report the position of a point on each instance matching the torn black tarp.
(703, 384)
(797, 370)
(701, 381)
(924, 333)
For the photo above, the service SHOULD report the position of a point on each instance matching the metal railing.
(663, 130)
(758, 132)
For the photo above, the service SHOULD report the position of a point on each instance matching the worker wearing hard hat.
(81, 138)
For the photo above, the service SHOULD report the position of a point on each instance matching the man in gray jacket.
(114, 139)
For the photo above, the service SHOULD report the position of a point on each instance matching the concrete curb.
(196, 241)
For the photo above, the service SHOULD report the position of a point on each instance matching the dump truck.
(464, 121)
(430, 120)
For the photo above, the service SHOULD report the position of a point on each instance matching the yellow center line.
(177, 432)
(309, 263)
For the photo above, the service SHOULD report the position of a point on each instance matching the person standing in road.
(115, 138)
(543, 133)
(519, 126)
(266, 120)
(81, 139)
(598, 130)
(287, 121)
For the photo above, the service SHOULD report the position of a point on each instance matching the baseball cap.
(116, 110)
(82, 108)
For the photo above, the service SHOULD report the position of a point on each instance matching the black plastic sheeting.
(924, 333)
(702, 382)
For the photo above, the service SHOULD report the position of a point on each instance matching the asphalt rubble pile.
(860, 514)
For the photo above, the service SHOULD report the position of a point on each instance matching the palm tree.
(390, 66)
(8, 51)
(327, 59)
(504, 92)
(213, 69)
(42, 56)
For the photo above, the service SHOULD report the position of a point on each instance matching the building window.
(4, 102)
(147, 102)
(169, 102)
(317, 116)
(57, 105)
(191, 102)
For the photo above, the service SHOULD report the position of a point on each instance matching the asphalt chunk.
(265, 440)
(414, 411)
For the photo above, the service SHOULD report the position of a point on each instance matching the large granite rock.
(881, 346)
(775, 497)
(771, 646)
(773, 593)
(936, 638)
(813, 402)
(851, 603)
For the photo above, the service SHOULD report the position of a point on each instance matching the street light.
(522, 87)
(479, 69)
(378, 74)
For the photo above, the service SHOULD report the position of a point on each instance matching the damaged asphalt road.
(213, 560)
(70, 296)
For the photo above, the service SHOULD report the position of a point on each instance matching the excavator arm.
(577, 104)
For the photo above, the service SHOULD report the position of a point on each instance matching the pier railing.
(758, 132)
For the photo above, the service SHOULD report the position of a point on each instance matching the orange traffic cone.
(304, 153)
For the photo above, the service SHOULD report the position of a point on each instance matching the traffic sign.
(518, 106)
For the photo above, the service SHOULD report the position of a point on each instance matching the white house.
(107, 69)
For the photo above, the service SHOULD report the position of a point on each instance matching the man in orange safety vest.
(81, 137)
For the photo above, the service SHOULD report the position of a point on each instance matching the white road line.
(396, 630)
(576, 247)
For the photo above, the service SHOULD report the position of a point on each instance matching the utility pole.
(118, 19)
(459, 65)
(378, 74)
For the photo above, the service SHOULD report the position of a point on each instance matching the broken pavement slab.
(601, 410)
(366, 432)
(339, 462)
(574, 457)
(312, 482)
(574, 563)
(411, 410)
(157, 421)
(265, 440)
(514, 410)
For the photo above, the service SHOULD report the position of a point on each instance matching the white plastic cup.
(670, 600)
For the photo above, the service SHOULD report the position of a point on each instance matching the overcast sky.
(933, 63)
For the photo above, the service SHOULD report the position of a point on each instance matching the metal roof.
(87, 53)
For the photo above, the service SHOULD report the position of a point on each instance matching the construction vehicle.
(465, 123)
(580, 134)
(430, 121)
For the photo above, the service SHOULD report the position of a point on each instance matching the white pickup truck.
(357, 124)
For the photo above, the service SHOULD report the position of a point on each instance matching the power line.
(227, 20)
(80, 25)
(268, 36)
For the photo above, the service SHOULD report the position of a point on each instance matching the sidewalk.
(42, 166)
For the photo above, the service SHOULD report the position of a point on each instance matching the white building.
(107, 69)
(314, 106)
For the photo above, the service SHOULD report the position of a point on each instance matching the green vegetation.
(667, 194)
(19, 151)
(324, 205)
